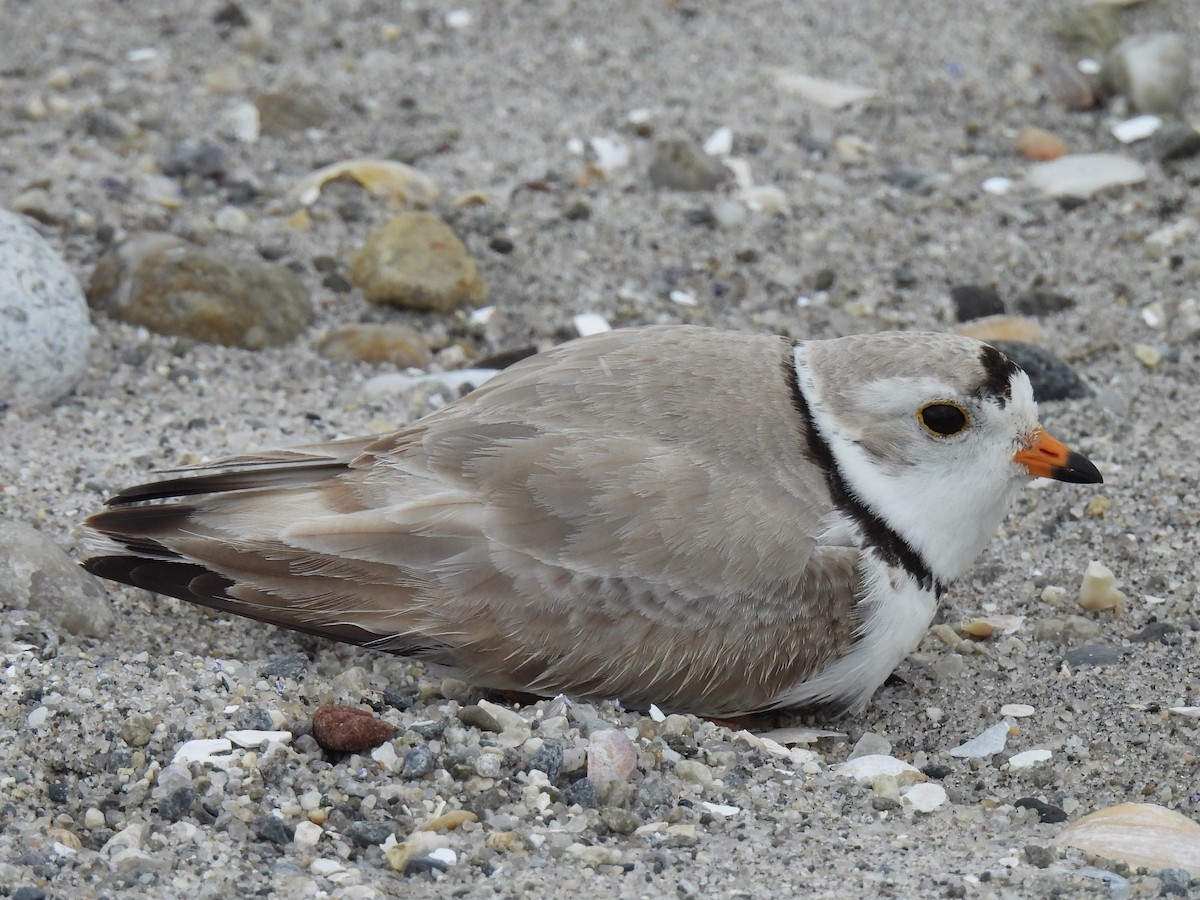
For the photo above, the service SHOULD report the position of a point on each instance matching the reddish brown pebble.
(347, 729)
(1038, 144)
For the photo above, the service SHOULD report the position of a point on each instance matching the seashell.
(1098, 591)
(381, 177)
(823, 92)
(1140, 834)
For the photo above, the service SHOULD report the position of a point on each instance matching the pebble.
(695, 772)
(1001, 328)
(1098, 590)
(1139, 834)
(1147, 355)
(348, 729)
(1047, 813)
(272, 828)
(581, 792)
(195, 157)
(1040, 855)
(400, 345)
(988, 743)
(293, 665)
(44, 324)
(611, 757)
(590, 323)
(974, 301)
(36, 574)
(1042, 302)
(1092, 655)
(681, 166)
(417, 262)
(1040, 145)
(210, 751)
(548, 758)
(1175, 141)
(281, 113)
(1085, 174)
(1051, 377)
(253, 739)
(1139, 128)
(1067, 86)
(174, 287)
(1017, 710)
(620, 821)
(418, 762)
(1151, 70)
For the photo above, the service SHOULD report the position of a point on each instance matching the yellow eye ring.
(944, 418)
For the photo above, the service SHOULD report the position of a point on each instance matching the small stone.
(400, 345)
(1017, 710)
(1148, 356)
(1156, 633)
(456, 818)
(478, 717)
(1046, 813)
(679, 165)
(924, 797)
(1042, 302)
(368, 834)
(416, 262)
(93, 819)
(868, 769)
(548, 758)
(136, 730)
(620, 821)
(36, 574)
(1175, 141)
(293, 665)
(1040, 855)
(172, 287)
(195, 157)
(1098, 591)
(1040, 145)
(581, 792)
(1067, 86)
(1087, 29)
(1151, 70)
(177, 804)
(1051, 377)
(44, 324)
(1175, 882)
(1082, 175)
(347, 729)
(1029, 758)
(611, 757)
(974, 301)
(281, 114)
(273, 829)
(987, 743)
(695, 772)
(1092, 655)
(418, 762)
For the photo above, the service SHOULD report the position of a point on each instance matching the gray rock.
(416, 262)
(293, 665)
(1175, 140)
(975, 301)
(1092, 655)
(1040, 855)
(1175, 882)
(418, 762)
(1042, 302)
(44, 324)
(620, 821)
(582, 792)
(367, 834)
(680, 166)
(1151, 70)
(548, 758)
(173, 287)
(1051, 377)
(35, 574)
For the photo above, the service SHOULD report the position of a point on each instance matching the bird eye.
(943, 419)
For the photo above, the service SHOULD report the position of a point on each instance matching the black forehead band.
(998, 371)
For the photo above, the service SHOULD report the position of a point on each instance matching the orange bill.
(1050, 458)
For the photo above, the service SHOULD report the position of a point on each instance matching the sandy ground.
(493, 105)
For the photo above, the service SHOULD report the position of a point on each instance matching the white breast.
(896, 614)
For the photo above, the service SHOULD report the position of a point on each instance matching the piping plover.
(710, 521)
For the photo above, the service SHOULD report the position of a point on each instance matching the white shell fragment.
(997, 185)
(1017, 710)
(1140, 834)
(867, 768)
(720, 142)
(213, 751)
(720, 809)
(1085, 174)
(590, 323)
(1136, 129)
(990, 742)
(611, 154)
(381, 178)
(924, 797)
(830, 94)
(1028, 758)
(1098, 591)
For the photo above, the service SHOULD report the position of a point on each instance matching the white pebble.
(93, 818)
(997, 185)
(251, 738)
(657, 714)
(1098, 590)
(385, 755)
(483, 315)
(1136, 129)
(323, 868)
(459, 18)
(38, 717)
(720, 809)
(307, 834)
(720, 142)
(683, 298)
(445, 855)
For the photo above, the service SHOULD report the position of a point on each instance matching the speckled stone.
(548, 758)
(416, 262)
(679, 165)
(173, 287)
(44, 324)
(36, 574)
